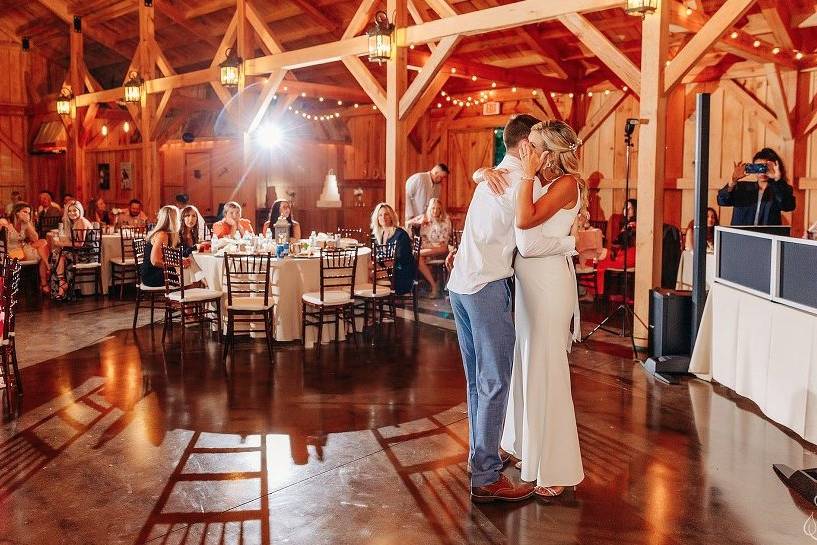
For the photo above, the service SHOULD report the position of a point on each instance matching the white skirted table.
(758, 333)
(684, 279)
(291, 278)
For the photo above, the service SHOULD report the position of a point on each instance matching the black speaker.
(670, 331)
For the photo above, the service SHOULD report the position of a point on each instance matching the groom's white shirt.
(488, 241)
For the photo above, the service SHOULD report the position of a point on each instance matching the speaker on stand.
(667, 367)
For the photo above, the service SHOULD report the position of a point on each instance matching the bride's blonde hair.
(562, 144)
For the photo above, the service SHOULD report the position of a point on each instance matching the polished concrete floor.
(117, 441)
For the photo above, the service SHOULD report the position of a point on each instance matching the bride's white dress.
(540, 423)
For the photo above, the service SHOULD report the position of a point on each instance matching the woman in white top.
(540, 424)
(435, 231)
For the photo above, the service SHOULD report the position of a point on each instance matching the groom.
(481, 298)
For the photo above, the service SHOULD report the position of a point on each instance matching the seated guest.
(712, 221)
(232, 224)
(62, 271)
(68, 199)
(182, 200)
(191, 231)
(24, 243)
(435, 231)
(758, 202)
(166, 233)
(282, 208)
(386, 231)
(133, 216)
(98, 212)
(16, 197)
(623, 245)
(47, 207)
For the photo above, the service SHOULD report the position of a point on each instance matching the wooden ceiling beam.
(779, 17)
(752, 102)
(603, 48)
(316, 14)
(60, 9)
(435, 62)
(550, 57)
(728, 14)
(425, 101)
(367, 81)
(518, 77)
(208, 7)
(199, 30)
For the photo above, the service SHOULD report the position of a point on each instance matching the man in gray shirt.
(421, 188)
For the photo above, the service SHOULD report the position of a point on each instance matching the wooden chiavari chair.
(191, 304)
(86, 250)
(46, 224)
(248, 295)
(10, 274)
(144, 293)
(378, 295)
(123, 269)
(335, 300)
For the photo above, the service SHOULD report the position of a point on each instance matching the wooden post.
(396, 137)
(650, 160)
(151, 196)
(246, 192)
(76, 179)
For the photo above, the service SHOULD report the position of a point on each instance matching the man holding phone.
(758, 202)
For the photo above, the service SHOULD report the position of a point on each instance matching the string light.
(624, 88)
(570, 95)
(756, 43)
(411, 46)
(513, 89)
(607, 91)
(590, 93)
(340, 103)
(689, 11)
(473, 78)
(303, 93)
(453, 70)
(734, 35)
(439, 105)
(493, 85)
(443, 93)
(552, 94)
(534, 93)
(320, 99)
(104, 130)
(775, 51)
(798, 55)
(357, 105)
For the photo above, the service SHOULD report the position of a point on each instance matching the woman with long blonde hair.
(540, 424)
(166, 233)
(386, 231)
(435, 231)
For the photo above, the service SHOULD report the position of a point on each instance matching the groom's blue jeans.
(486, 336)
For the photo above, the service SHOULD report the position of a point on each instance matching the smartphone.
(754, 168)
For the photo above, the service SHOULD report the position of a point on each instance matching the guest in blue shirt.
(386, 231)
(759, 202)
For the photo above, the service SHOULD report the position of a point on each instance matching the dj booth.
(758, 334)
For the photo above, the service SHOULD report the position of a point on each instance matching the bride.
(540, 424)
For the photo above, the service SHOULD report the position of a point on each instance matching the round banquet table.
(290, 279)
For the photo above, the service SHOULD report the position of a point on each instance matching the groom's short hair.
(517, 129)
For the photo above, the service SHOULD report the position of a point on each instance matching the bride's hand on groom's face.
(531, 160)
(495, 178)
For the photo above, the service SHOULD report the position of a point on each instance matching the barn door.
(467, 151)
(197, 182)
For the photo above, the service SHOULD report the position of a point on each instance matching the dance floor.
(120, 442)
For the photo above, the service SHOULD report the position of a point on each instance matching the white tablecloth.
(684, 280)
(764, 351)
(291, 278)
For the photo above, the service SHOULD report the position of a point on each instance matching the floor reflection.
(122, 443)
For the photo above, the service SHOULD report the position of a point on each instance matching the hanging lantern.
(381, 36)
(126, 127)
(230, 69)
(641, 7)
(64, 101)
(133, 88)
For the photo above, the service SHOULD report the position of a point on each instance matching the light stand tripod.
(624, 308)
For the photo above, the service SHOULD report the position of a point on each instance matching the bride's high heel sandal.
(548, 491)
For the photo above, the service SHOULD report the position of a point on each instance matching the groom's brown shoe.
(501, 490)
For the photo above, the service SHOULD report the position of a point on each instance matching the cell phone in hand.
(755, 168)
